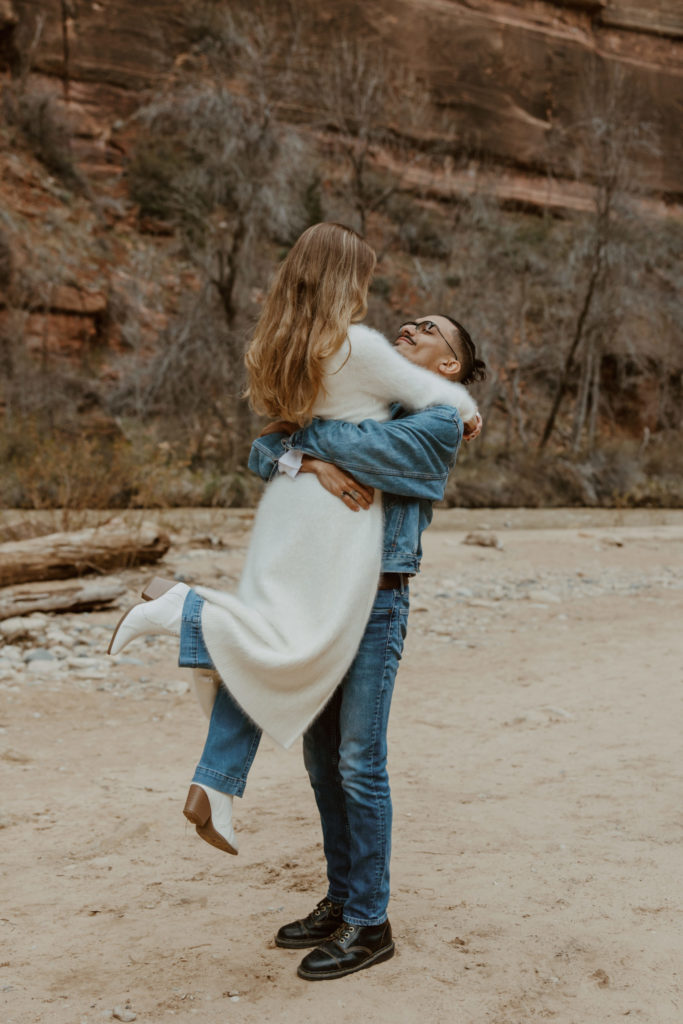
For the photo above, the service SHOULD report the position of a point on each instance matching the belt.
(393, 580)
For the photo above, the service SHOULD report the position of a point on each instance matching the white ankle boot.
(163, 615)
(211, 812)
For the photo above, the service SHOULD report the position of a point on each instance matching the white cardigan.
(284, 641)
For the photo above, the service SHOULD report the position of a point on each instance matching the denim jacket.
(407, 457)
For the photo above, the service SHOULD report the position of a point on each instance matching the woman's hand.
(354, 495)
(473, 427)
(280, 427)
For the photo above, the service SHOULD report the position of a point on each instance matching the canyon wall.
(505, 72)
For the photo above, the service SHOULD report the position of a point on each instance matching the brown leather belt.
(393, 580)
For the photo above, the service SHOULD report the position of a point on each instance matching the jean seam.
(336, 899)
(365, 923)
(239, 784)
(373, 763)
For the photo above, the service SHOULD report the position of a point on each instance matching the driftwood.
(58, 556)
(60, 596)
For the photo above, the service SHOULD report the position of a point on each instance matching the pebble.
(177, 686)
(483, 540)
(59, 637)
(10, 652)
(39, 654)
(555, 712)
(123, 1013)
(22, 626)
(60, 651)
(83, 662)
(543, 596)
(43, 668)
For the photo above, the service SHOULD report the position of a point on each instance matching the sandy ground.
(536, 767)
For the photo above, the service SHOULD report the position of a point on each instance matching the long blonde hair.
(320, 288)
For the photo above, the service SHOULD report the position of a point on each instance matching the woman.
(284, 641)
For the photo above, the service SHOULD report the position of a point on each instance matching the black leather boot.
(352, 948)
(312, 930)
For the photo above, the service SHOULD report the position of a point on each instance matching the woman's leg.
(233, 739)
(230, 747)
(193, 652)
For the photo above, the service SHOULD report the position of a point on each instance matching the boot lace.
(343, 932)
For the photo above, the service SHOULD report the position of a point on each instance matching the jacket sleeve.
(264, 454)
(410, 456)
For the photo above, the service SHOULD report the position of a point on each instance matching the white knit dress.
(283, 642)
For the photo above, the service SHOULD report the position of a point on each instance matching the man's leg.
(363, 720)
(322, 741)
(345, 753)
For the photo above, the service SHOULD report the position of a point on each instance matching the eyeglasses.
(426, 327)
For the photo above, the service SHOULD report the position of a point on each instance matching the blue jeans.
(345, 753)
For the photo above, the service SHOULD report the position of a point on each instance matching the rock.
(60, 652)
(12, 653)
(59, 637)
(483, 540)
(555, 713)
(39, 654)
(124, 1013)
(43, 668)
(177, 687)
(206, 541)
(22, 626)
(543, 596)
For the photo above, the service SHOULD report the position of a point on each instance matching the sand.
(536, 768)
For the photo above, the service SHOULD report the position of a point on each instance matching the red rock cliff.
(505, 71)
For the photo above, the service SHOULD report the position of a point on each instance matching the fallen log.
(57, 556)
(60, 596)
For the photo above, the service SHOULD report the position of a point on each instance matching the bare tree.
(215, 163)
(608, 145)
(368, 102)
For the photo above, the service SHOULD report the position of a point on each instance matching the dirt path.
(536, 769)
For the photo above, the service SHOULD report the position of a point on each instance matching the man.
(345, 749)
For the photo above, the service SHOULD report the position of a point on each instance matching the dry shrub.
(57, 470)
(36, 114)
(618, 475)
(75, 472)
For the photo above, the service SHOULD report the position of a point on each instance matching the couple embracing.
(363, 436)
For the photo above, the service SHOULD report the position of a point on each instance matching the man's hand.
(354, 495)
(473, 428)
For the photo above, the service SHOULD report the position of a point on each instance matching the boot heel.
(197, 808)
(156, 587)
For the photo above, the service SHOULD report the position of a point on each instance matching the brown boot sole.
(198, 810)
